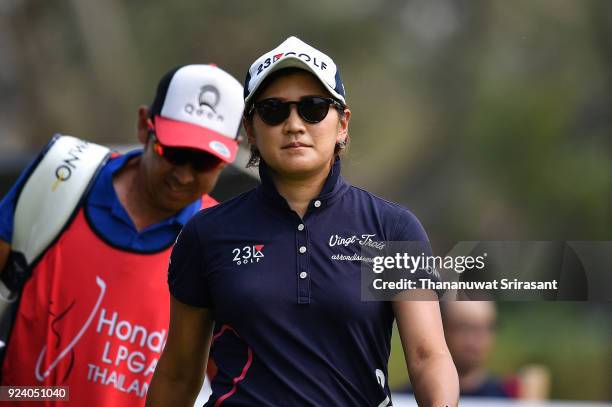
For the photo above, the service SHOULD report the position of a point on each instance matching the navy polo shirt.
(105, 214)
(290, 326)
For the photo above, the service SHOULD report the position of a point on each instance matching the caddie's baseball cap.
(295, 53)
(200, 107)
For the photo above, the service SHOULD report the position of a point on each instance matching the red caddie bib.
(92, 317)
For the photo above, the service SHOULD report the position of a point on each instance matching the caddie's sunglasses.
(312, 109)
(200, 161)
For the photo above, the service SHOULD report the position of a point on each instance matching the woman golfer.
(276, 270)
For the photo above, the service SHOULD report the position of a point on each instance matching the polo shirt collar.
(333, 188)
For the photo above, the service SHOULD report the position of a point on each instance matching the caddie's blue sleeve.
(7, 205)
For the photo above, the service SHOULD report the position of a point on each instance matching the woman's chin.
(298, 166)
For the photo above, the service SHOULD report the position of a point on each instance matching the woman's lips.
(295, 144)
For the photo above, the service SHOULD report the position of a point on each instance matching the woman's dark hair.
(255, 156)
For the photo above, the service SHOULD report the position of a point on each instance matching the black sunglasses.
(312, 109)
(199, 160)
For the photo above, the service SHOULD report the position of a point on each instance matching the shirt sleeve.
(414, 241)
(8, 203)
(408, 228)
(186, 273)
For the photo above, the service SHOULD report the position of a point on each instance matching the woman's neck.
(298, 192)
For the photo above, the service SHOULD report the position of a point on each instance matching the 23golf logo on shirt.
(248, 254)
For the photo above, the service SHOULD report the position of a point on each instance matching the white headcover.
(52, 192)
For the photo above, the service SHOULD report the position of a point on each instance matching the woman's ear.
(250, 132)
(343, 135)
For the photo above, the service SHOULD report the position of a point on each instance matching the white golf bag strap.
(52, 192)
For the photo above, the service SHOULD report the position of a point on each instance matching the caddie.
(92, 309)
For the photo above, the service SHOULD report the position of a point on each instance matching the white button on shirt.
(302, 249)
(303, 275)
(317, 203)
(301, 227)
